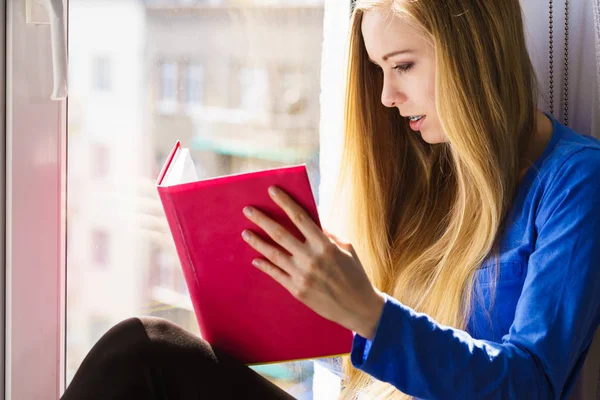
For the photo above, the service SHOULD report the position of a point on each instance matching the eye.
(402, 68)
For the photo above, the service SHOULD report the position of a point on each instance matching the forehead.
(384, 32)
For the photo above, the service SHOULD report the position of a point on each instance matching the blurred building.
(236, 81)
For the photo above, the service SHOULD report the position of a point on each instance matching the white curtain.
(584, 58)
(583, 103)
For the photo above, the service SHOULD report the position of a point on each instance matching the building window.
(168, 86)
(100, 247)
(194, 91)
(102, 74)
(100, 161)
(254, 89)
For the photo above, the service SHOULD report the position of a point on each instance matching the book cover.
(239, 308)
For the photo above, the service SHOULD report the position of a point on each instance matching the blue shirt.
(531, 343)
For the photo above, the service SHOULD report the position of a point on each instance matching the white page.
(181, 170)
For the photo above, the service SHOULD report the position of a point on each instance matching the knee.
(159, 334)
(135, 323)
(157, 329)
(125, 336)
(141, 330)
(156, 340)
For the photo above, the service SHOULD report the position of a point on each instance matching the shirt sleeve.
(555, 320)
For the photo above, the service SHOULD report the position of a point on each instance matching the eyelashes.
(402, 68)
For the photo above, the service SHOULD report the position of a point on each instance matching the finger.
(343, 243)
(272, 253)
(297, 214)
(274, 272)
(278, 233)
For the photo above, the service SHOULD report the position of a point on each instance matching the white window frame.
(36, 193)
(35, 282)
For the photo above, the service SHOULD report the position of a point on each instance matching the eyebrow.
(393, 53)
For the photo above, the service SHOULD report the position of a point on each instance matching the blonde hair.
(422, 217)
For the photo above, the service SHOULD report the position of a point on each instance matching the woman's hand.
(323, 272)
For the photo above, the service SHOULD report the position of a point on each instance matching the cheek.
(430, 88)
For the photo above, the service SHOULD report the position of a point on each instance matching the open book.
(239, 308)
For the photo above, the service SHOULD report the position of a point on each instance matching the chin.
(433, 137)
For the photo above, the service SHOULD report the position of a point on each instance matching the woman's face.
(407, 61)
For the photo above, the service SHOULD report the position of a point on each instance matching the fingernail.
(273, 191)
(256, 263)
(248, 210)
(246, 235)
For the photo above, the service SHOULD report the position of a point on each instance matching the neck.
(539, 141)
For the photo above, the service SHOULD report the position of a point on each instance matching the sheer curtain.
(583, 99)
(584, 58)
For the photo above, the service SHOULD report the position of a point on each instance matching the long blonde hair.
(422, 217)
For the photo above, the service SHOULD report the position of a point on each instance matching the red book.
(239, 308)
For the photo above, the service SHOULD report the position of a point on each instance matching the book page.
(181, 170)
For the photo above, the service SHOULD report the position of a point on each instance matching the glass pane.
(238, 82)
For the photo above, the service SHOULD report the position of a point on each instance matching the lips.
(416, 125)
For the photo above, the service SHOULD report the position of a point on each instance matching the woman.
(474, 219)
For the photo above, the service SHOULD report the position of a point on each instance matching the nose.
(391, 96)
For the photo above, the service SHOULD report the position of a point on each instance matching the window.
(254, 89)
(223, 140)
(168, 86)
(194, 84)
(115, 221)
(102, 74)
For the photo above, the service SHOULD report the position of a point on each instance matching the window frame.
(35, 187)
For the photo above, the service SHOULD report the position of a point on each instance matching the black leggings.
(152, 358)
